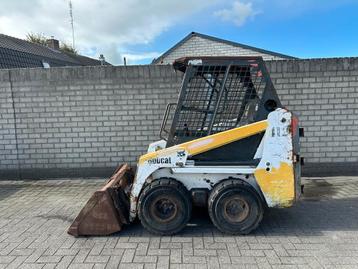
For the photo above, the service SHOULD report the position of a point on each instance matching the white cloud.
(135, 57)
(101, 26)
(238, 13)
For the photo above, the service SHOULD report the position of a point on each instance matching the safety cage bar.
(217, 94)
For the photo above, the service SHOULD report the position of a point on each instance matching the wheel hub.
(236, 209)
(164, 209)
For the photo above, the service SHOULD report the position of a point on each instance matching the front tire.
(164, 207)
(235, 207)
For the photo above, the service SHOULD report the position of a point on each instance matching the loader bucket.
(108, 208)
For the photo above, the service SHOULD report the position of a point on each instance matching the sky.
(141, 30)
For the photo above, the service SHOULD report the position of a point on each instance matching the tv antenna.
(73, 29)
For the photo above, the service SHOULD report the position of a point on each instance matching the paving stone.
(49, 259)
(97, 259)
(320, 231)
(31, 266)
(128, 256)
(114, 262)
(81, 266)
(175, 256)
(6, 259)
(65, 262)
(16, 263)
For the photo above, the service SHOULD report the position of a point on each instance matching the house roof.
(216, 39)
(17, 53)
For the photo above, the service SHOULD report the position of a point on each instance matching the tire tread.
(164, 182)
(234, 183)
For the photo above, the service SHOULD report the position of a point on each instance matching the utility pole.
(73, 29)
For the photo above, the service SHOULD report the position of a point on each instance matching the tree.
(36, 38)
(64, 47)
(42, 40)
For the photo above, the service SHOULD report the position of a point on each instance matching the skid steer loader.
(230, 146)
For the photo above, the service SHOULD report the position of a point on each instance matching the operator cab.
(218, 94)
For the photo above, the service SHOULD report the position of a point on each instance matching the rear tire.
(164, 207)
(235, 207)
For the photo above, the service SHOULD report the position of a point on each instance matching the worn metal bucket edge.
(107, 209)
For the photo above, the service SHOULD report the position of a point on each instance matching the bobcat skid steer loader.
(231, 147)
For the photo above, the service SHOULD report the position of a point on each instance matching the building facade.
(196, 44)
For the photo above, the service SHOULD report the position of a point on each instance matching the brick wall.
(85, 120)
(324, 93)
(8, 146)
(198, 46)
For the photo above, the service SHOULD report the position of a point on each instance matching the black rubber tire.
(224, 193)
(169, 190)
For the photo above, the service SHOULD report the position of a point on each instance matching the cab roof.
(182, 63)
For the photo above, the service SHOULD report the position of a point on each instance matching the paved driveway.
(321, 231)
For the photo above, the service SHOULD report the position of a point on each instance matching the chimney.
(53, 43)
(102, 59)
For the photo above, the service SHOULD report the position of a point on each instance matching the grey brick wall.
(85, 120)
(8, 146)
(324, 93)
(198, 46)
